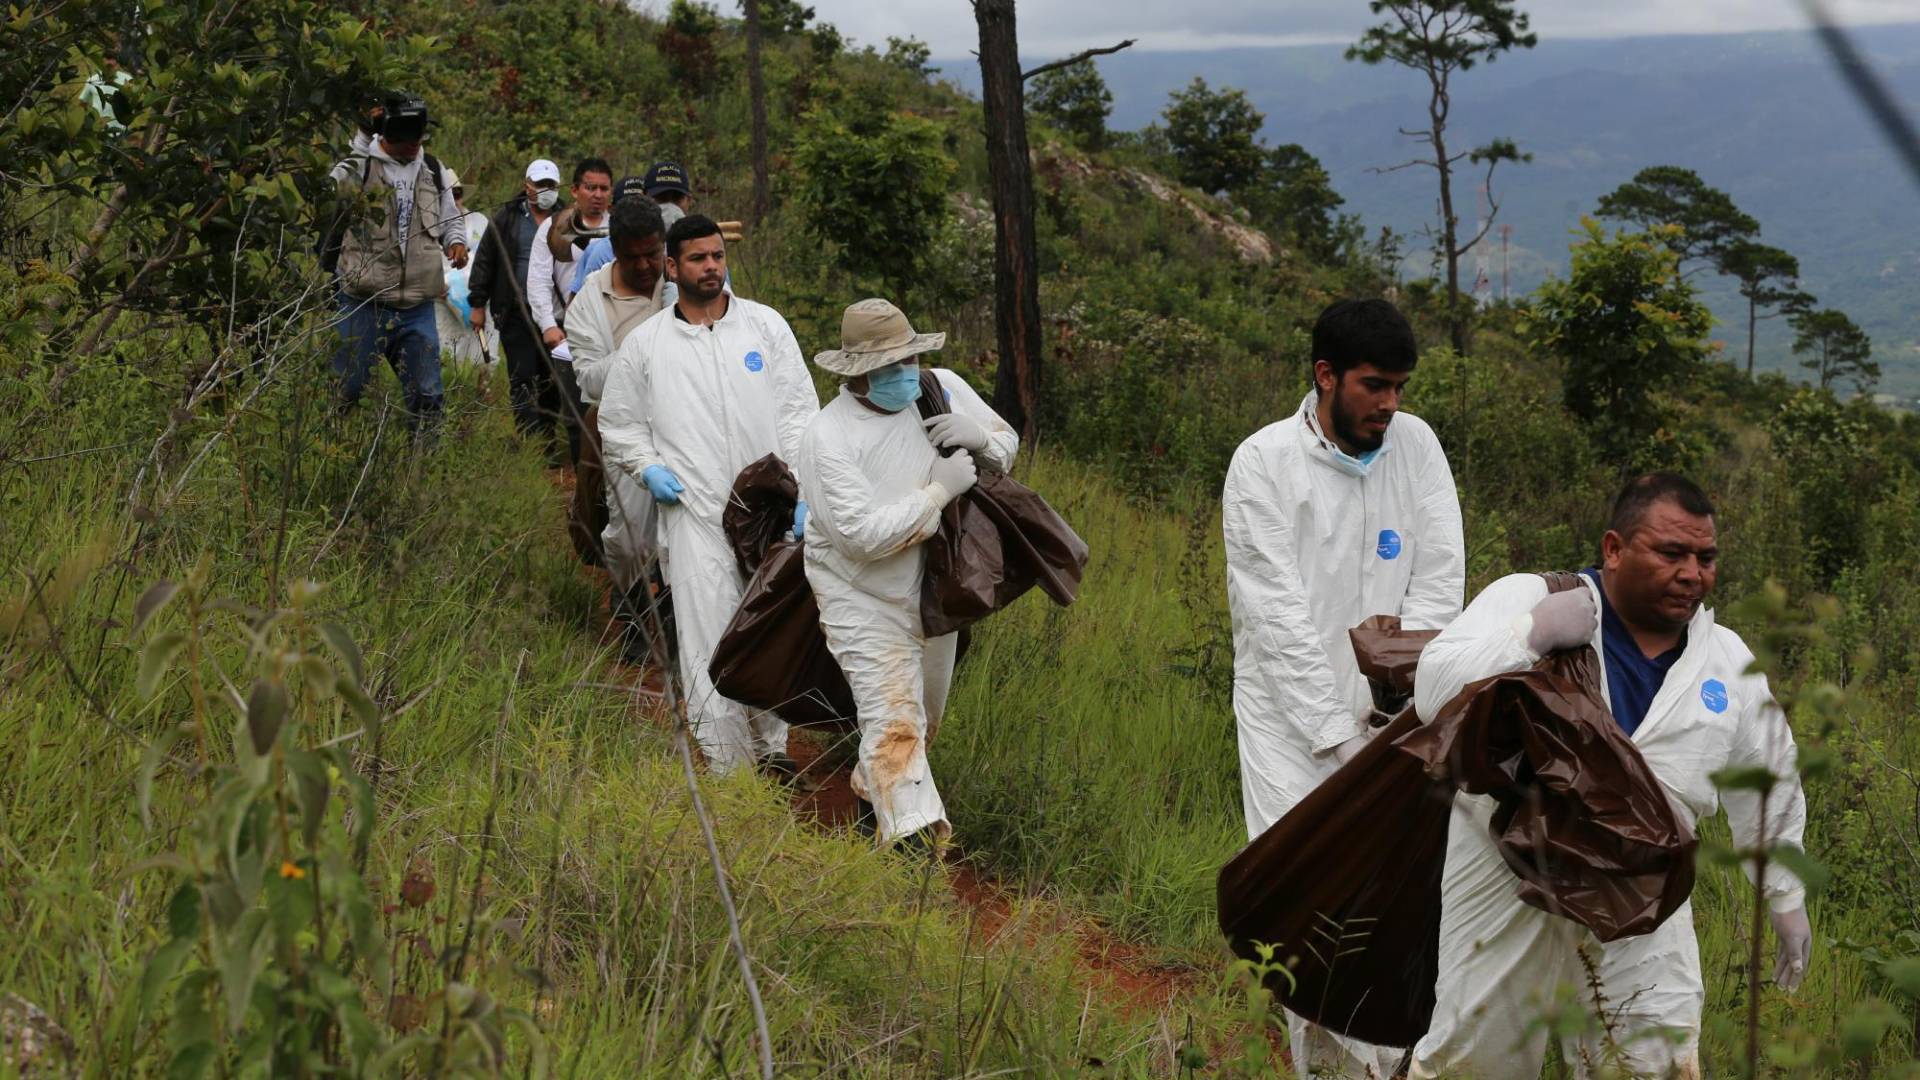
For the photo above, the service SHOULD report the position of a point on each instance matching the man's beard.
(696, 291)
(1346, 428)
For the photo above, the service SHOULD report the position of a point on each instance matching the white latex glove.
(952, 475)
(1350, 749)
(952, 429)
(1563, 621)
(1794, 948)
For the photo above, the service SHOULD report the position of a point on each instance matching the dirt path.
(1130, 972)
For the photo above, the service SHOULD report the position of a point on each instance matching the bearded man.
(1342, 511)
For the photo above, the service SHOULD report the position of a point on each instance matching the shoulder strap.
(439, 177)
(1561, 580)
(933, 396)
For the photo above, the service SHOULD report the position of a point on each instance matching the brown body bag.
(996, 541)
(773, 655)
(1347, 884)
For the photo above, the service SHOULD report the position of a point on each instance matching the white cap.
(542, 169)
(453, 178)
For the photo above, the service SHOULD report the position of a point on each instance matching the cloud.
(1049, 27)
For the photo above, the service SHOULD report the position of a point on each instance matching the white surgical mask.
(546, 198)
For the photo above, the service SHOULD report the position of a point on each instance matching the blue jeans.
(405, 337)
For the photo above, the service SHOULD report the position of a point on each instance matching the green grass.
(478, 628)
(1091, 748)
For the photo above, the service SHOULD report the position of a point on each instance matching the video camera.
(399, 116)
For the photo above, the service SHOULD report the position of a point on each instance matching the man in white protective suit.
(875, 477)
(1678, 685)
(700, 391)
(1342, 511)
(618, 510)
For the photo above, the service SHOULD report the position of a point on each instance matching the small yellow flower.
(289, 870)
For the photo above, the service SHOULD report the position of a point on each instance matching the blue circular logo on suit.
(1713, 694)
(1389, 546)
(755, 361)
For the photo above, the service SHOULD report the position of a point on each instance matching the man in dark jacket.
(499, 284)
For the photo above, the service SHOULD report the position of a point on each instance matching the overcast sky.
(1065, 26)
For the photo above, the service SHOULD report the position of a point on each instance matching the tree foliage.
(1295, 198)
(1769, 281)
(1710, 225)
(873, 184)
(1439, 38)
(1076, 99)
(1215, 137)
(1628, 327)
(1835, 349)
(194, 166)
(912, 55)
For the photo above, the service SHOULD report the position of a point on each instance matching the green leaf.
(1713, 853)
(1815, 762)
(1862, 1030)
(241, 957)
(1755, 778)
(190, 1061)
(538, 1068)
(1811, 872)
(267, 709)
(1904, 974)
(156, 597)
(161, 967)
(310, 789)
(343, 646)
(363, 708)
(318, 675)
(191, 1024)
(223, 903)
(154, 659)
(290, 904)
(150, 761)
(183, 912)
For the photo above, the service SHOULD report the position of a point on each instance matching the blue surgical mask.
(1354, 466)
(894, 387)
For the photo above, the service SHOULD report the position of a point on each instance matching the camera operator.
(389, 258)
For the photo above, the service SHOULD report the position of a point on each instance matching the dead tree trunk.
(1016, 285)
(757, 94)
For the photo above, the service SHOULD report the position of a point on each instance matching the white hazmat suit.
(864, 475)
(706, 402)
(1313, 551)
(1500, 960)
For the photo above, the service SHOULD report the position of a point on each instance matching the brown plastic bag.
(1582, 820)
(759, 511)
(1346, 886)
(995, 542)
(773, 655)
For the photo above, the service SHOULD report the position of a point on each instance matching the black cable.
(1867, 86)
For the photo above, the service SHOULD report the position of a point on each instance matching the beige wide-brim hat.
(873, 334)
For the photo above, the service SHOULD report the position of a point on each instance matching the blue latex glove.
(598, 254)
(800, 519)
(665, 486)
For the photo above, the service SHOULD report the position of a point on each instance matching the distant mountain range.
(1761, 116)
